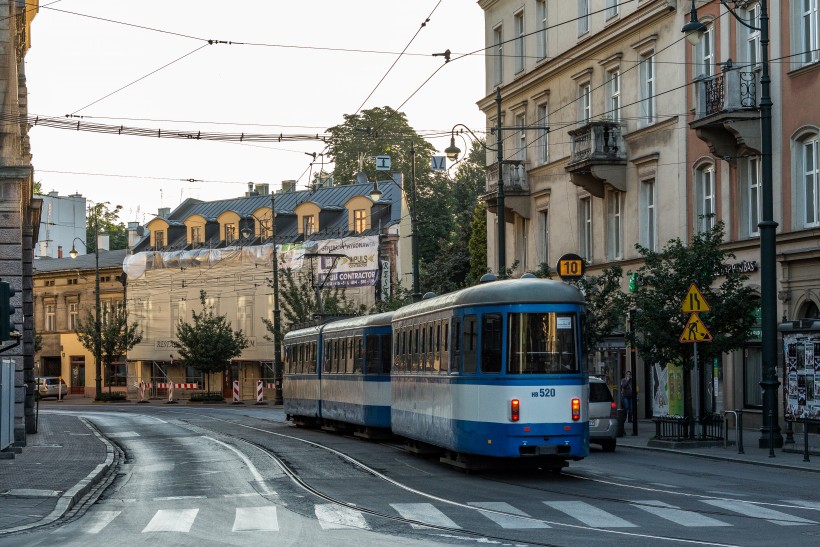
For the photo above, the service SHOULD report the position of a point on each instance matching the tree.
(209, 343)
(115, 339)
(477, 244)
(108, 223)
(664, 280)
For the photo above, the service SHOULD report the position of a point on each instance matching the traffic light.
(6, 311)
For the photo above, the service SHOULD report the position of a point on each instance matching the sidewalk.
(792, 459)
(57, 467)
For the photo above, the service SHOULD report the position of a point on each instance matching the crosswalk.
(707, 513)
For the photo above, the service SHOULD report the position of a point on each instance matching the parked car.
(603, 415)
(51, 386)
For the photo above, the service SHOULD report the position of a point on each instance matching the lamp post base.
(770, 439)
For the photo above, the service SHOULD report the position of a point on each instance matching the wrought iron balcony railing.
(731, 90)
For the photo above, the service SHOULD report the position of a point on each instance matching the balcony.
(598, 157)
(727, 115)
(516, 188)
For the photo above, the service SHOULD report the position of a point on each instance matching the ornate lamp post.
(770, 435)
(97, 307)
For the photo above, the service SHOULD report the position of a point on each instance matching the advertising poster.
(660, 390)
(801, 353)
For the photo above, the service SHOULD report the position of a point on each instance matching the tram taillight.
(576, 409)
(515, 410)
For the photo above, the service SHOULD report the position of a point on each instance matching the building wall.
(63, 219)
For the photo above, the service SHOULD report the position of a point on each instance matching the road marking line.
(589, 515)
(172, 498)
(676, 514)
(252, 468)
(99, 520)
(245, 495)
(804, 503)
(123, 434)
(508, 521)
(755, 511)
(423, 512)
(168, 520)
(256, 519)
(334, 517)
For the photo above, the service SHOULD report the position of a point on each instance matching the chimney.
(251, 192)
(103, 242)
(262, 189)
(288, 185)
(133, 234)
(164, 212)
(59, 251)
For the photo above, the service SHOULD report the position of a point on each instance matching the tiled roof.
(108, 259)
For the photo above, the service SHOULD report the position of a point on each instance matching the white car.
(603, 415)
(51, 386)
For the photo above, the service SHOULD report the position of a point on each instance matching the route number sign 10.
(571, 266)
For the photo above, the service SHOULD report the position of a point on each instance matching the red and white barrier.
(237, 398)
(259, 385)
(142, 391)
(171, 392)
(270, 385)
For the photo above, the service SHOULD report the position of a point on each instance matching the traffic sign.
(571, 266)
(694, 302)
(382, 163)
(695, 331)
(438, 163)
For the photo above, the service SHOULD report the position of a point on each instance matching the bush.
(207, 396)
(114, 396)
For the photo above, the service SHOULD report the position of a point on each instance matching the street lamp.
(452, 153)
(277, 316)
(770, 435)
(97, 308)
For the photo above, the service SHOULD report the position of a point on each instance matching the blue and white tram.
(352, 385)
(493, 370)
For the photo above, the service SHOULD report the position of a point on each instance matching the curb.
(718, 457)
(70, 498)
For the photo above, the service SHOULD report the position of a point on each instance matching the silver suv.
(603, 415)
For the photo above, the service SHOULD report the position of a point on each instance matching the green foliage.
(400, 297)
(111, 397)
(209, 343)
(664, 280)
(108, 223)
(116, 336)
(207, 397)
(477, 245)
(37, 188)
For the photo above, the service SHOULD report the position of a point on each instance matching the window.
(613, 95)
(544, 218)
(72, 281)
(521, 145)
(519, 41)
(359, 220)
(541, 22)
(542, 343)
(308, 225)
(73, 315)
(648, 233)
(196, 235)
(583, 17)
(584, 103)
(244, 314)
(470, 344)
(491, 334)
(498, 46)
(265, 229)
(753, 35)
(810, 178)
(752, 195)
(614, 228)
(159, 239)
(705, 53)
(705, 192)
(585, 215)
(752, 376)
(646, 70)
(611, 9)
(177, 315)
(807, 32)
(230, 233)
(543, 134)
(51, 319)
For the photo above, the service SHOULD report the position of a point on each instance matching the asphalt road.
(208, 476)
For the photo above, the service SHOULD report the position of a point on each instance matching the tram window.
(385, 354)
(326, 357)
(334, 365)
(542, 343)
(423, 350)
(287, 360)
(371, 354)
(430, 348)
(358, 357)
(491, 343)
(437, 349)
(470, 344)
(455, 352)
(344, 363)
(312, 363)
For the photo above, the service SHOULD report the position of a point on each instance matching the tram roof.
(362, 321)
(508, 291)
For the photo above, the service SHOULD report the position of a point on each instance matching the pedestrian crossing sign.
(695, 331)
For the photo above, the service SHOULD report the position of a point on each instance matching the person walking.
(626, 395)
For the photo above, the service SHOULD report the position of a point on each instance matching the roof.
(108, 259)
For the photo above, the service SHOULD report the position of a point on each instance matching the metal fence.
(6, 403)
(679, 428)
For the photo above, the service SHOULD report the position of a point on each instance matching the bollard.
(60, 389)
(171, 400)
(259, 386)
(236, 396)
(806, 437)
(771, 434)
(740, 431)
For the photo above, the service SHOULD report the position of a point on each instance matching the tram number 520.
(570, 266)
(544, 392)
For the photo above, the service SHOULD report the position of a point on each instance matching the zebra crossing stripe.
(99, 520)
(172, 520)
(423, 512)
(256, 519)
(334, 517)
(677, 515)
(758, 512)
(508, 521)
(589, 515)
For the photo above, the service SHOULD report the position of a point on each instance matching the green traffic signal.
(6, 311)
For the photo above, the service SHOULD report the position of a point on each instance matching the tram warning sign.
(571, 266)
(695, 331)
(694, 302)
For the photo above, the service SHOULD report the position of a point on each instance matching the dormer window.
(359, 220)
(308, 225)
(230, 233)
(159, 239)
(196, 235)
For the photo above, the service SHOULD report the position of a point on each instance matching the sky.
(147, 64)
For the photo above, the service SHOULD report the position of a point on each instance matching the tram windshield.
(542, 343)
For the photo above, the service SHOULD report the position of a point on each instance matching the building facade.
(63, 220)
